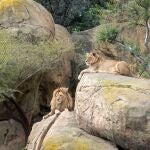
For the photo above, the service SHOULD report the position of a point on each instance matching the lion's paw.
(57, 111)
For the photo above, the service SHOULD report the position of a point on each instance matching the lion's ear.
(65, 90)
(55, 91)
(94, 54)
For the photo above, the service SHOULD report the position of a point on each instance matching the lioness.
(98, 63)
(61, 100)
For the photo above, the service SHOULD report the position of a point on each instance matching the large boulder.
(65, 134)
(115, 107)
(23, 17)
(12, 136)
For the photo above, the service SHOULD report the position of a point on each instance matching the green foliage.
(142, 60)
(95, 15)
(90, 18)
(132, 47)
(24, 148)
(76, 15)
(113, 12)
(19, 59)
(144, 68)
(138, 11)
(107, 33)
(139, 15)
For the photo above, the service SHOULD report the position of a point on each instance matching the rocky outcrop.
(115, 107)
(65, 134)
(12, 136)
(27, 18)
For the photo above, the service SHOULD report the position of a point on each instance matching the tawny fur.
(61, 100)
(99, 63)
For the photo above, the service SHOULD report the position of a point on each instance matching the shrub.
(107, 33)
(90, 18)
(20, 59)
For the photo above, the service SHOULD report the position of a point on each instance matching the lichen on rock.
(65, 134)
(4, 4)
(27, 17)
(115, 107)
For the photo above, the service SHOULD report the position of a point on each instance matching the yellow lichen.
(71, 143)
(120, 94)
(80, 144)
(51, 144)
(4, 4)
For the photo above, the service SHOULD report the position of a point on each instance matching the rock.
(89, 42)
(39, 130)
(115, 107)
(85, 39)
(62, 35)
(23, 17)
(65, 134)
(12, 135)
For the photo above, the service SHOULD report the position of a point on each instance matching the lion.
(61, 100)
(97, 62)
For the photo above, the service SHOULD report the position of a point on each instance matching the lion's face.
(60, 97)
(91, 58)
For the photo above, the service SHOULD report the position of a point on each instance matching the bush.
(90, 18)
(19, 59)
(107, 33)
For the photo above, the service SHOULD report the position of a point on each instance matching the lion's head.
(92, 58)
(61, 99)
(60, 95)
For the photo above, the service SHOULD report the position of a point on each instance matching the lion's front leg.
(49, 114)
(57, 111)
(82, 72)
(46, 116)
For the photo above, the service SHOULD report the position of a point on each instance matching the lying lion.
(61, 100)
(98, 63)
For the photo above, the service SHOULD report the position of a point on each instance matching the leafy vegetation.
(136, 13)
(139, 15)
(107, 33)
(20, 59)
(76, 15)
(90, 18)
(110, 34)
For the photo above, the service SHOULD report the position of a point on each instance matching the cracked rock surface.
(115, 107)
(64, 134)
